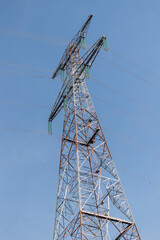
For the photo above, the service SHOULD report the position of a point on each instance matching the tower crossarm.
(75, 42)
(66, 92)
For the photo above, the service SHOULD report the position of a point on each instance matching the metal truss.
(91, 203)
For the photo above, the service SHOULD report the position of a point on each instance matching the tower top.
(74, 43)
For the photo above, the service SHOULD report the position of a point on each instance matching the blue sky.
(33, 36)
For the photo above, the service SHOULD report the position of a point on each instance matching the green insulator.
(83, 45)
(65, 104)
(62, 75)
(87, 71)
(49, 127)
(105, 44)
(81, 42)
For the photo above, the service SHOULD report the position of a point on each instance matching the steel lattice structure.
(91, 203)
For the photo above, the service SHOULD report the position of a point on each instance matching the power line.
(140, 177)
(133, 144)
(26, 67)
(101, 100)
(138, 103)
(128, 171)
(137, 119)
(28, 131)
(95, 80)
(144, 179)
(52, 4)
(131, 73)
(62, 42)
(24, 104)
(32, 36)
(134, 64)
(24, 74)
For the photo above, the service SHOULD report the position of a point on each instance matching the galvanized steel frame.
(88, 179)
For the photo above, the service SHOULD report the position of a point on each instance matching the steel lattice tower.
(91, 203)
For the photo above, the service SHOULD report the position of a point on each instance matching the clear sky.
(125, 89)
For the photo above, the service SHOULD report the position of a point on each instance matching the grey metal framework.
(91, 203)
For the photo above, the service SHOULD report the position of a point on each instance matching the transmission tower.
(91, 203)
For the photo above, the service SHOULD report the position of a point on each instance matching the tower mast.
(91, 203)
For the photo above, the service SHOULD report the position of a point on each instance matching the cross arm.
(86, 60)
(72, 46)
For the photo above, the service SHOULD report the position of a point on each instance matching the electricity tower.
(91, 203)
